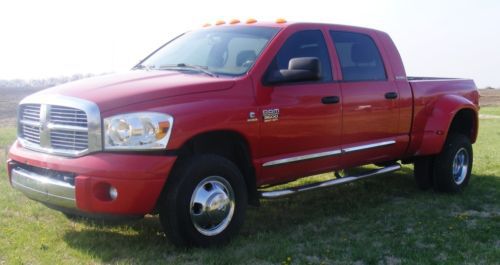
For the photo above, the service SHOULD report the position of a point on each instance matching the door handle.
(330, 100)
(391, 95)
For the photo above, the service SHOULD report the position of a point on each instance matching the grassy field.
(384, 220)
(490, 111)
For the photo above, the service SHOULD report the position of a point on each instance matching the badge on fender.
(271, 115)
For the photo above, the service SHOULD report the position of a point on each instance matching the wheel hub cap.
(460, 166)
(212, 205)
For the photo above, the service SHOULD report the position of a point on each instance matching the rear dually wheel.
(453, 166)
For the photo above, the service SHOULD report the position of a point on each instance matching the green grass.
(7, 136)
(491, 110)
(381, 220)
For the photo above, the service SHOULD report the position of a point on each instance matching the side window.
(307, 43)
(359, 57)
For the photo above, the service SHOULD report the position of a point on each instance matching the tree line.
(41, 83)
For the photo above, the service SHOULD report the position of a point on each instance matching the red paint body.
(200, 104)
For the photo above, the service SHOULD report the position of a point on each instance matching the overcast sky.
(451, 38)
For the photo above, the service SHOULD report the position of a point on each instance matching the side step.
(319, 185)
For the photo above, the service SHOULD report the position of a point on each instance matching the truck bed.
(435, 86)
(425, 78)
(428, 92)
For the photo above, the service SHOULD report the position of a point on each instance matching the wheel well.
(464, 123)
(230, 145)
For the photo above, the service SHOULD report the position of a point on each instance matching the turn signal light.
(280, 20)
(207, 25)
(220, 22)
(234, 21)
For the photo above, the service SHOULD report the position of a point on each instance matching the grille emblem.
(43, 126)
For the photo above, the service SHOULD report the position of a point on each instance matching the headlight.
(137, 131)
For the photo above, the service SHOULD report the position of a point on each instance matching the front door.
(302, 121)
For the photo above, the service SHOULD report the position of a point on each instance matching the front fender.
(430, 139)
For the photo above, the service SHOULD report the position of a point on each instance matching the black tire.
(444, 178)
(176, 206)
(423, 170)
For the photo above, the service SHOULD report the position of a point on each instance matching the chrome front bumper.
(43, 188)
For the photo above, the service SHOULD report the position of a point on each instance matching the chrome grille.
(63, 126)
(67, 116)
(31, 133)
(29, 129)
(31, 112)
(69, 140)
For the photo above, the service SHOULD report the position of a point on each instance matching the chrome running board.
(319, 185)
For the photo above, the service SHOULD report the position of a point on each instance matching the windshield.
(223, 50)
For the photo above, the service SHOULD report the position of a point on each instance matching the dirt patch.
(488, 211)
(390, 260)
(8, 103)
(489, 97)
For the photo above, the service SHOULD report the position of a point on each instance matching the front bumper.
(82, 184)
(43, 188)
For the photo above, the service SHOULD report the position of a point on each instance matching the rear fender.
(441, 115)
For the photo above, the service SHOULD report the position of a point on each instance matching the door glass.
(307, 43)
(359, 57)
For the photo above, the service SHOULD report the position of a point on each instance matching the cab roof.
(279, 23)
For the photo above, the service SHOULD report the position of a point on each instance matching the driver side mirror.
(300, 69)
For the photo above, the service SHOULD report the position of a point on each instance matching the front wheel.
(204, 202)
(453, 166)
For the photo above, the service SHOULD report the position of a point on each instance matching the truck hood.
(119, 90)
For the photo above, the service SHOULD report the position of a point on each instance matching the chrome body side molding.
(367, 146)
(328, 153)
(301, 158)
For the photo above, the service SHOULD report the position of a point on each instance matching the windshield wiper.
(181, 66)
(142, 66)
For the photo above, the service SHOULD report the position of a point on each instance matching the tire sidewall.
(199, 168)
(444, 164)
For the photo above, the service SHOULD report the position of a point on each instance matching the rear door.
(370, 102)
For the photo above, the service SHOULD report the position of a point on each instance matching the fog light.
(113, 193)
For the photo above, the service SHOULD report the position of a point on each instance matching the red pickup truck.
(198, 128)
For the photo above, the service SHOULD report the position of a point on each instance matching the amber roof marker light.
(237, 21)
(251, 20)
(220, 22)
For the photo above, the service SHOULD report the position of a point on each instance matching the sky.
(39, 39)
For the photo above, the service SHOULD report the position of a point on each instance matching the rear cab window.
(359, 57)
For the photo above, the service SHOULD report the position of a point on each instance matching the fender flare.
(440, 117)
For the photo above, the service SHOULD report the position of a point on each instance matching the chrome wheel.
(460, 166)
(212, 205)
